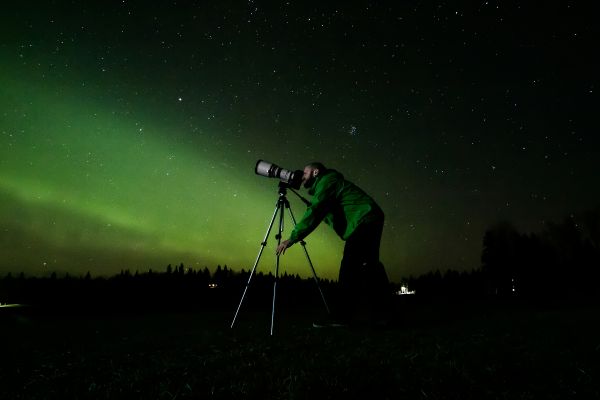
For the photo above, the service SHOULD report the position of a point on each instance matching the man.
(358, 220)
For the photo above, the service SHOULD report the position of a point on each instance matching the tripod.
(282, 202)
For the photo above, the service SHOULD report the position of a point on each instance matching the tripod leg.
(263, 244)
(310, 262)
(281, 215)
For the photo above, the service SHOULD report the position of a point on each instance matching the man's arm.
(320, 205)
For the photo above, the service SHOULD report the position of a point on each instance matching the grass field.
(430, 352)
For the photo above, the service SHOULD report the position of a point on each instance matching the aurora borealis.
(129, 131)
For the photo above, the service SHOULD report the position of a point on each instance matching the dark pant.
(363, 283)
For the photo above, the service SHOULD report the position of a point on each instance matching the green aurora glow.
(84, 188)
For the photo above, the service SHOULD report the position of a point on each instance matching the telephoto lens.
(270, 170)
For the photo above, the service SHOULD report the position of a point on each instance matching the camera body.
(270, 170)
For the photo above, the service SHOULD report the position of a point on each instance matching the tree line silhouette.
(560, 264)
(177, 286)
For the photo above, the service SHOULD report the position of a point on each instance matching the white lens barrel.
(285, 175)
(262, 168)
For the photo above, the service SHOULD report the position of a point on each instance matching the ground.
(428, 352)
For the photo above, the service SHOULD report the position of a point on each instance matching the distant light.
(213, 285)
(10, 305)
(404, 291)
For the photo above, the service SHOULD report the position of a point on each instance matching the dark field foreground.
(429, 353)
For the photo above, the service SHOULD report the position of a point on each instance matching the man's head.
(311, 171)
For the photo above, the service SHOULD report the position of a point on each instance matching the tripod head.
(283, 187)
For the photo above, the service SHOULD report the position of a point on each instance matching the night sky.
(129, 131)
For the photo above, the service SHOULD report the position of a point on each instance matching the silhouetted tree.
(218, 276)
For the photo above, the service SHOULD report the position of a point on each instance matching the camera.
(270, 170)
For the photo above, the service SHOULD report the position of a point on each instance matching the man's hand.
(281, 248)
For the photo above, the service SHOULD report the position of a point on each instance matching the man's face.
(310, 174)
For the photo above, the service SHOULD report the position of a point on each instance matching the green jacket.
(338, 202)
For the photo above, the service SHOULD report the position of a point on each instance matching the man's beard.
(309, 182)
